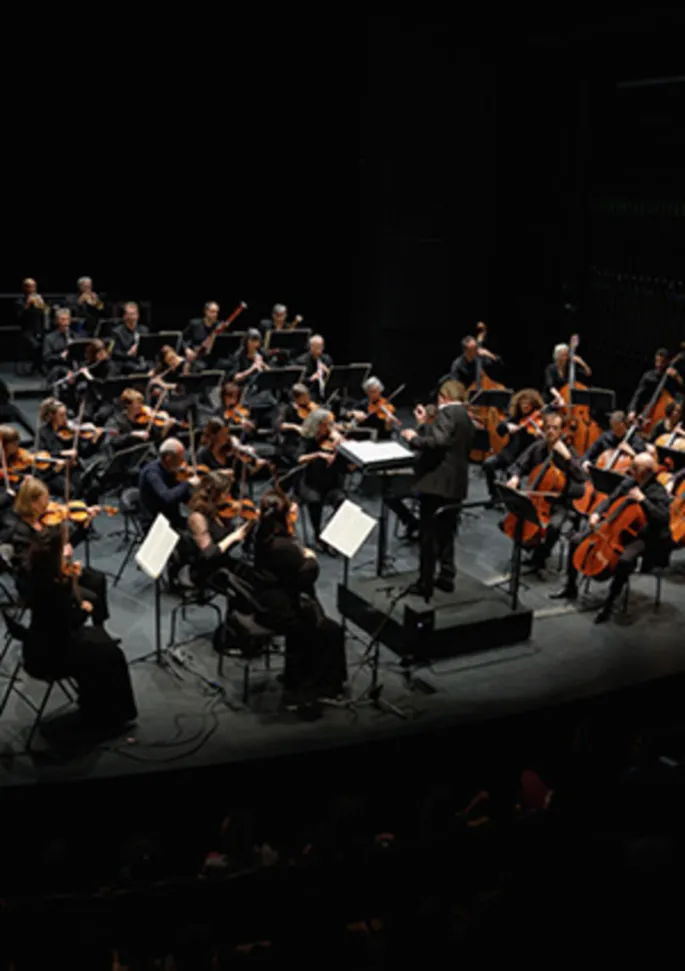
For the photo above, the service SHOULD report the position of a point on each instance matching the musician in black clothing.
(199, 329)
(653, 543)
(246, 366)
(464, 367)
(523, 404)
(442, 474)
(612, 438)
(551, 444)
(126, 350)
(86, 304)
(56, 347)
(276, 321)
(58, 644)
(650, 381)
(315, 666)
(556, 373)
(133, 424)
(367, 415)
(210, 538)
(671, 423)
(289, 423)
(30, 311)
(160, 489)
(168, 376)
(97, 367)
(323, 478)
(316, 364)
(56, 437)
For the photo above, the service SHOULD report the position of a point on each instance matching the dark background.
(392, 179)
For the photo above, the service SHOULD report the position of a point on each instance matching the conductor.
(442, 480)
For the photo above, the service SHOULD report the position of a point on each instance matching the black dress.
(315, 664)
(59, 646)
(321, 484)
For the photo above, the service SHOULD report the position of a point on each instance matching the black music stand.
(498, 398)
(289, 342)
(524, 510)
(346, 379)
(77, 350)
(605, 480)
(106, 325)
(600, 401)
(224, 346)
(152, 558)
(111, 388)
(201, 382)
(671, 457)
(278, 380)
(150, 345)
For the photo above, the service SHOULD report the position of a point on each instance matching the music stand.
(152, 558)
(278, 380)
(605, 480)
(524, 510)
(111, 389)
(106, 325)
(290, 342)
(225, 346)
(77, 350)
(600, 401)
(345, 378)
(498, 398)
(201, 382)
(150, 345)
(671, 457)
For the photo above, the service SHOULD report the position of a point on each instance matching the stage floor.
(184, 721)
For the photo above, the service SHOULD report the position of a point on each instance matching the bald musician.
(653, 543)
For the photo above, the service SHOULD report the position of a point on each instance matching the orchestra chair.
(190, 595)
(242, 637)
(17, 632)
(657, 572)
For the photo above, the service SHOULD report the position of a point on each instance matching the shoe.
(419, 590)
(410, 534)
(566, 593)
(446, 584)
(604, 614)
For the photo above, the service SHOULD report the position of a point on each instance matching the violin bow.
(156, 411)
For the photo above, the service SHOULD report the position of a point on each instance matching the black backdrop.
(393, 180)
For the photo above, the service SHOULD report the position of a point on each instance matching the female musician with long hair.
(231, 410)
(522, 405)
(211, 535)
(60, 646)
(167, 376)
(315, 665)
(246, 366)
(324, 473)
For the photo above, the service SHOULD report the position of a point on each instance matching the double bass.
(655, 409)
(488, 418)
(583, 430)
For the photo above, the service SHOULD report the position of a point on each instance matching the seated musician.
(13, 464)
(126, 349)
(199, 329)
(160, 488)
(212, 533)
(167, 377)
(316, 364)
(557, 371)
(523, 404)
(246, 366)
(290, 422)
(31, 310)
(322, 482)
(612, 438)
(564, 458)
(56, 436)
(86, 304)
(650, 381)
(60, 645)
(133, 422)
(315, 666)
(277, 320)
(232, 410)
(372, 414)
(56, 347)
(653, 543)
(671, 424)
(464, 368)
(97, 366)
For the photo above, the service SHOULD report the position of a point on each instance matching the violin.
(237, 415)
(545, 482)
(304, 411)
(187, 471)
(384, 408)
(72, 569)
(600, 551)
(234, 508)
(75, 511)
(158, 419)
(86, 431)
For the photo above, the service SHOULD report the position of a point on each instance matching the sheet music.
(367, 453)
(157, 547)
(348, 529)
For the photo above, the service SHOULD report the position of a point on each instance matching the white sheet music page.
(157, 547)
(348, 529)
(367, 452)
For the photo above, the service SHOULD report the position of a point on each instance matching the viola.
(600, 551)
(545, 482)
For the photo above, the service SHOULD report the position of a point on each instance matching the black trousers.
(396, 504)
(436, 538)
(315, 664)
(315, 500)
(92, 585)
(625, 566)
(544, 549)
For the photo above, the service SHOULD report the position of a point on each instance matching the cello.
(677, 514)
(655, 409)
(612, 460)
(583, 429)
(487, 418)
(545, 482)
